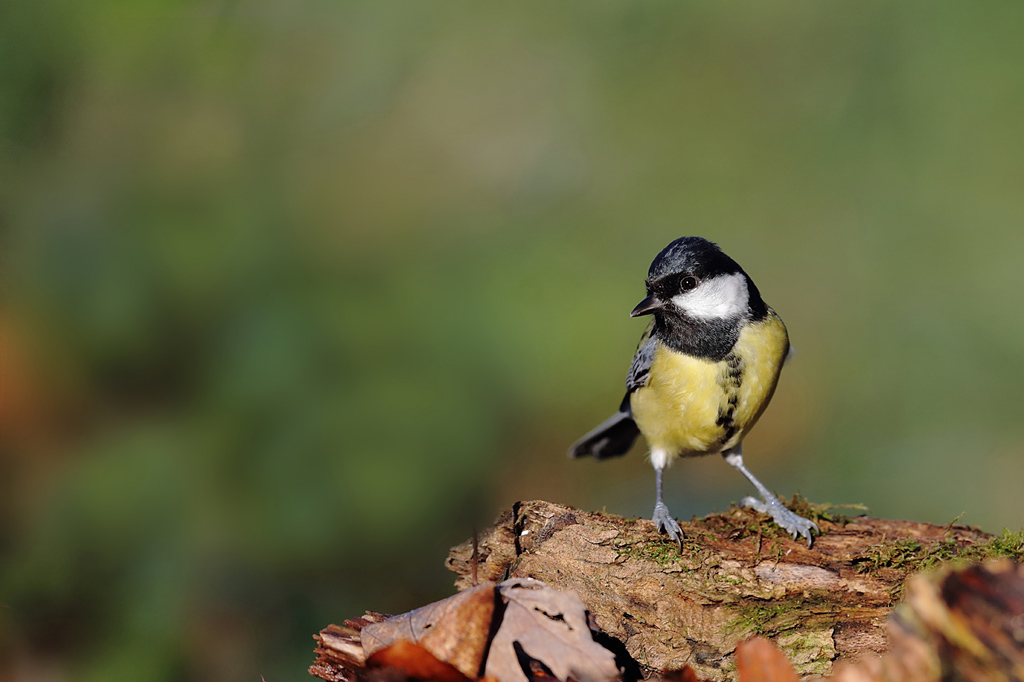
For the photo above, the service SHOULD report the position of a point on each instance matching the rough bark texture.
(734, 577)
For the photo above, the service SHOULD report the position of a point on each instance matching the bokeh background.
(293, 297)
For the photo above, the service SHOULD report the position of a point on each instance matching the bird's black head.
(694, 255)
(696, 290)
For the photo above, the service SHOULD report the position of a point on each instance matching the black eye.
(688, 282)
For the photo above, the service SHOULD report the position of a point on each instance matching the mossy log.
(736, 575)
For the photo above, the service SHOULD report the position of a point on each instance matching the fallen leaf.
(551, 627)
(416, 662)
(684, 674)
(758, 660)
(454, 630)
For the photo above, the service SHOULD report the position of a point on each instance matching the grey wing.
(639, 370)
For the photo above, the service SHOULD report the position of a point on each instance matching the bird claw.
(792, 523)
(666, 524)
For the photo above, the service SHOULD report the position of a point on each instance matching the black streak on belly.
(730, 381)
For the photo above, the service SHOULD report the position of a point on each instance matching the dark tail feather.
(611, 438)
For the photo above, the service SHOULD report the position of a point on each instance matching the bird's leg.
(662, 518)
(787, 520)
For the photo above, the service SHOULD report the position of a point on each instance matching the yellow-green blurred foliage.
(293, 296)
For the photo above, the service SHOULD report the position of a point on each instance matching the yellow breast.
(693, 406)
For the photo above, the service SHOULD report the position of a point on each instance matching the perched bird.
(704, 371)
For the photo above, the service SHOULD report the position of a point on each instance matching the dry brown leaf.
(454, 630)
(758, 660)
(969, 620)
(549, 626)
(415, 662)
(966, 623)
(685, 674)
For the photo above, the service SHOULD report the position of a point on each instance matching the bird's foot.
(666, 524)
(790, 522)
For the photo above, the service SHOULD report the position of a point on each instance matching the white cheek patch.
(720, 297)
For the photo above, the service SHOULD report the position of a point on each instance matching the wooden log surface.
(736, 575)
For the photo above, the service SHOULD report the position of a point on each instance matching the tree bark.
(736, 575)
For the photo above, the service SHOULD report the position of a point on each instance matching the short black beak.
(647, 306)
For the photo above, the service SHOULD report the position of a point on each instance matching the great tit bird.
(704, 371)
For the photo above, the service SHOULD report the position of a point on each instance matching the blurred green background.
(293, 296)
